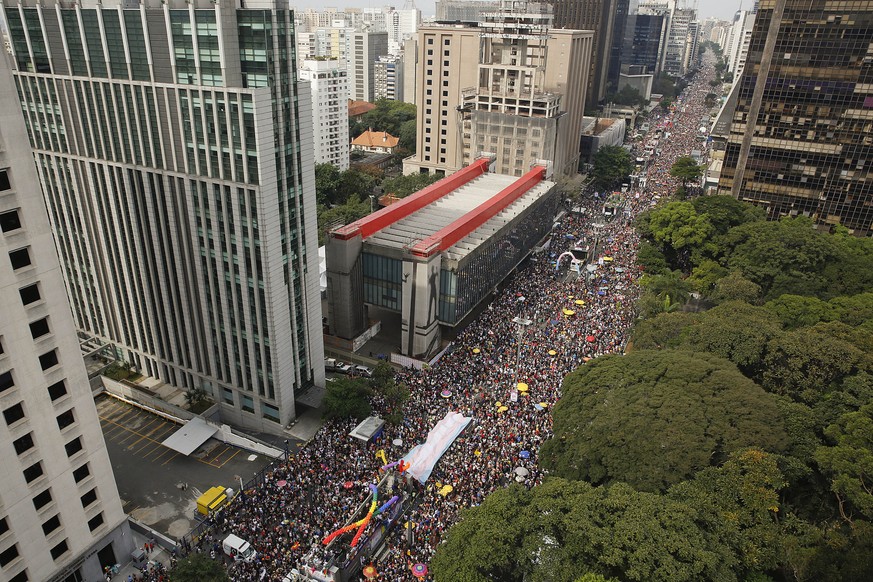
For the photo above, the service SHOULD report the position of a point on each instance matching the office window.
(29, 294)
(23, 444)
(81, 473)
(51, 524)
(57, 390)
(65, 419)
(39, 328)
(20, 577)
(48, 360)
(19, 258)
(6, 381)
(33, 472)
(8, 555)
(4, 181)
(74, 446)
(42, 499)
(59, 550)
(89, 498)
(95, 521)
(13, 414)
(4, 526)
(227, 395)
(9, 221)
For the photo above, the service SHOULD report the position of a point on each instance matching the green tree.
(848, 462)
(854, 310)
(807, 363)
(611, 165)
(686, 170)
(627, 96)
(665, 330)
(740, 503)
(653, 418)
(705, 276)
(330, 218)
(798, 311)
(347, 398)
(407, 136)
(389, 115)
(403, 186)
(561, 528)
(684, 235)
(735, 287)
(736, 331)
(198, 567)
(725, 212)
(785, 256)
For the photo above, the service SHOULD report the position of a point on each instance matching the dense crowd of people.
(573, 317)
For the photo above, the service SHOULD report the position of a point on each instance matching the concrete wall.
(345, 287)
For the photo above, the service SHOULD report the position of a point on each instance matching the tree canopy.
(653, 418)
(686, 169)
(611, 165)
(403, 186)
(347, 398)
(197, 567)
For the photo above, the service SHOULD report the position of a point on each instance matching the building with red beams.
(435, 255)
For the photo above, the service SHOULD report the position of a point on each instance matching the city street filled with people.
(573, 317)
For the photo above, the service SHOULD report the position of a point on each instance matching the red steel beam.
(370, 225)
(446, 237)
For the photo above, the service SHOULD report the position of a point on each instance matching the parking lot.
(159, 486)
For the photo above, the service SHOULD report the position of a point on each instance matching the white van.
(238, 549)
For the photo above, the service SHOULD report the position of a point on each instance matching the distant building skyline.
(705, 8)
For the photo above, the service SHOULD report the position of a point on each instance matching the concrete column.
(345, 287)
(421, 285)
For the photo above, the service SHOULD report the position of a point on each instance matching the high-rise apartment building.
(598, 16)
(364, 50)
(388, 72)
(739, 34)
(60, 515)
(512, 87)
(682, 31)
(644, 39)
(801, 137)
(464, 10)
(329, 88)
(175, 152)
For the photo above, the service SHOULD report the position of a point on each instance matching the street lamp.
(522, 323)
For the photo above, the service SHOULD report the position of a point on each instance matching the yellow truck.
(210, 501)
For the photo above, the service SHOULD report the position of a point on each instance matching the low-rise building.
(380, 142)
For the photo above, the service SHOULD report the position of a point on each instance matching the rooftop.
(374, 139)
(464, 218)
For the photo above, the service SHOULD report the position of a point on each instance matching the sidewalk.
(129, 569)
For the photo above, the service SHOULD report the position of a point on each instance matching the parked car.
(365, 371)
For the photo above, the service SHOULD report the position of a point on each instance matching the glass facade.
(801, 140)
(383, 283)
(462, 288)
(180, 238)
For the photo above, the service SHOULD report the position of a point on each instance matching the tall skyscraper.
(175, 153)
(801, 140)
(329, 88)
(365, 48)
(599, 16)
(513, 87)
(644, 39)
(60, 514)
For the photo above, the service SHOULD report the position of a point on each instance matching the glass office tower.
(175, 153)
(801, 138)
